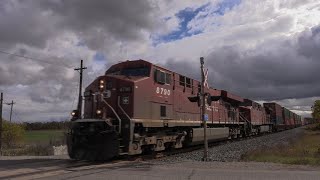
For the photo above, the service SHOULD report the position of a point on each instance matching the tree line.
(28, 126)
(14, 133)
(316, 110)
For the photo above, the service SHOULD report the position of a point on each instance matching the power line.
(18, 117)
(35, 59)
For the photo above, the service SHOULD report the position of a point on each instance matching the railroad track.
(172, 152)
(48, 168)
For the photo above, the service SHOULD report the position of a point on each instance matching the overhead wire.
(36, 59)
(61, 64)
(17, 117)
(43, 61)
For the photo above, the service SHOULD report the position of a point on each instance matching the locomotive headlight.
(74, 113)
(101, 84)
(99, 111)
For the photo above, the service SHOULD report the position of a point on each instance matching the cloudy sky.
(266, 50)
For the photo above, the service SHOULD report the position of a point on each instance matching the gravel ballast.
(232, 151)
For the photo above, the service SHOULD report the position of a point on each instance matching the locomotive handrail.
(123, 109)
(243, 118)
(115, 113)
(124, 112)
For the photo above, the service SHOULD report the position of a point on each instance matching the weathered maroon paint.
(254, 112)
(147, 96)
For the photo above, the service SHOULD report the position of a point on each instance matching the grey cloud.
(303, 104)
(23, 22)
(36, 25)
(95, 22)
(309, 44)
(273, 70)
(16, 70)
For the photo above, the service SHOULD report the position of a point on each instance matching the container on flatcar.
(286, 117)
(291, 120)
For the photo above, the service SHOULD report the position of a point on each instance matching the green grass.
(43, 136)
(305, 150)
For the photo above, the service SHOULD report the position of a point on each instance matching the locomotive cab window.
(130, 71)
(163, 111)
(188, 82)
(168, 78)
(182, 80)
(162, 77)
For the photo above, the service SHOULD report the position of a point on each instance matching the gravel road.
(233, 151)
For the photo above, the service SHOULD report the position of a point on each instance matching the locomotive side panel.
(142, 98)
(185, 87)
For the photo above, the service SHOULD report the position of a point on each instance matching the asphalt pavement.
(63, 168)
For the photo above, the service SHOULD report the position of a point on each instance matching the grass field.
(305, 150)
(43, 136)
(37, 143)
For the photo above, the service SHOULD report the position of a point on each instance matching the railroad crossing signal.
(202, 99)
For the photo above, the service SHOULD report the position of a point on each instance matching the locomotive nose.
(92, 140)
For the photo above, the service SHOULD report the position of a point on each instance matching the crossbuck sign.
(205, 73)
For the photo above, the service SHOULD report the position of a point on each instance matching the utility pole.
(1, 102)
(12, 103)
(204, 116)
(80, 70)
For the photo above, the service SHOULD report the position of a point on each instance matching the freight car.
(281, 117)
(276, 115)
(137, 107)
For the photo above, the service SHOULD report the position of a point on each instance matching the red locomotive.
(140, 107)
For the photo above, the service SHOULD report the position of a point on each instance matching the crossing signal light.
(209, 99)
(212, 98)
(195, 99)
